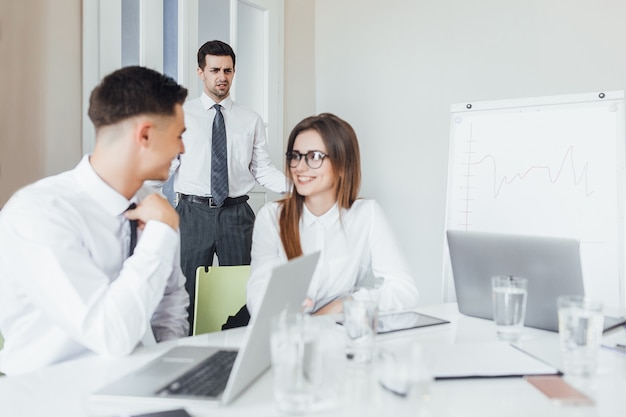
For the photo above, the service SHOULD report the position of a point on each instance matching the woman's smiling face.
(319, 183)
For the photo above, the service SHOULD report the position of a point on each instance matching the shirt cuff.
(161, 239)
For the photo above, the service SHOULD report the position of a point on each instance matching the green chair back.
(220, 292)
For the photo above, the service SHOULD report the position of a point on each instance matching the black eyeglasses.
(313, 159)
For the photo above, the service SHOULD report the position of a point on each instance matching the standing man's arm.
(261, 165)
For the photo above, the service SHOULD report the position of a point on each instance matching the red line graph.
(567, 161)
(553, 175)
(567, 165)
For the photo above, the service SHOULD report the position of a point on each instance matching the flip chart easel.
(551, 166)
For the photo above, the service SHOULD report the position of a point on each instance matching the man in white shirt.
(70, 282)
(207, 226)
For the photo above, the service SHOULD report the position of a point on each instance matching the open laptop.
(551, 264)
(158, 380)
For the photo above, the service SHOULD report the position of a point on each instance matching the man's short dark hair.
(131, 91)
(217, 48)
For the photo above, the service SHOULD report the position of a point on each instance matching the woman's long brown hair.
(343, 152)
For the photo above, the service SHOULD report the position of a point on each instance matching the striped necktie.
(219, 159)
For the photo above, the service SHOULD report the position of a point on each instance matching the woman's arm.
(267, 252)
(399, 290)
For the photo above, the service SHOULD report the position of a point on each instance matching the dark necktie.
(133, 232)
(148, 337)
(219, 159)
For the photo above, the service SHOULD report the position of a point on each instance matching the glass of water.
(581, 322)
(360, 323)
(295, 362)
(509, 294)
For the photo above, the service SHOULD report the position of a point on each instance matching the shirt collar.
(106, 197)
(208, 102)
(327, 219)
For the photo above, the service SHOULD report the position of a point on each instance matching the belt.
(208, 201)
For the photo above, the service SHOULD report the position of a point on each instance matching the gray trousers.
(206, 231)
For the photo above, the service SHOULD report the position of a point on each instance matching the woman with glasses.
(323, 213)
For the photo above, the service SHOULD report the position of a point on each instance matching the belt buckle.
(212, 204)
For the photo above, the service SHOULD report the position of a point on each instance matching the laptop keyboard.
(208, 379)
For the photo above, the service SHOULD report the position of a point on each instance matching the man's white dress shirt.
(352, 243)
(248, 159)
(67, 285)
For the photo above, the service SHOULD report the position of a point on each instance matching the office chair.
(220, 292)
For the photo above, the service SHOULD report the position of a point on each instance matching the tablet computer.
(611, 323)
(393, 322)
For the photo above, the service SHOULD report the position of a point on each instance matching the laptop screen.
(551, 264)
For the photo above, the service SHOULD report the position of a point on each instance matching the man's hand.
(154, 207)
(334, 307)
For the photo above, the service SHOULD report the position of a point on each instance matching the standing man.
(71, 278)
(226, 155)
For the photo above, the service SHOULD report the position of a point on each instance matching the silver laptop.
(158, 380)
(551, 264)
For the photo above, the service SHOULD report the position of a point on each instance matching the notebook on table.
(182, 374)
(551, 264)
(483, 360)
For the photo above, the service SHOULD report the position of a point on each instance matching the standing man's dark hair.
(217, 48)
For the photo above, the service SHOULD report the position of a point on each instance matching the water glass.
(402, 369)
(509, 294)
(580, 333)
(360, 322)
(296, 366)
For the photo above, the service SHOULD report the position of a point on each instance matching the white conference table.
(64, 389)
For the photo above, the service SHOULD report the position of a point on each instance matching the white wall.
(299, 82)
(40, 90)
(393, 68)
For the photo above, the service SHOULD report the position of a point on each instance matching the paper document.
(483, 360)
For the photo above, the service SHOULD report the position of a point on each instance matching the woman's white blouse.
(351, 243)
